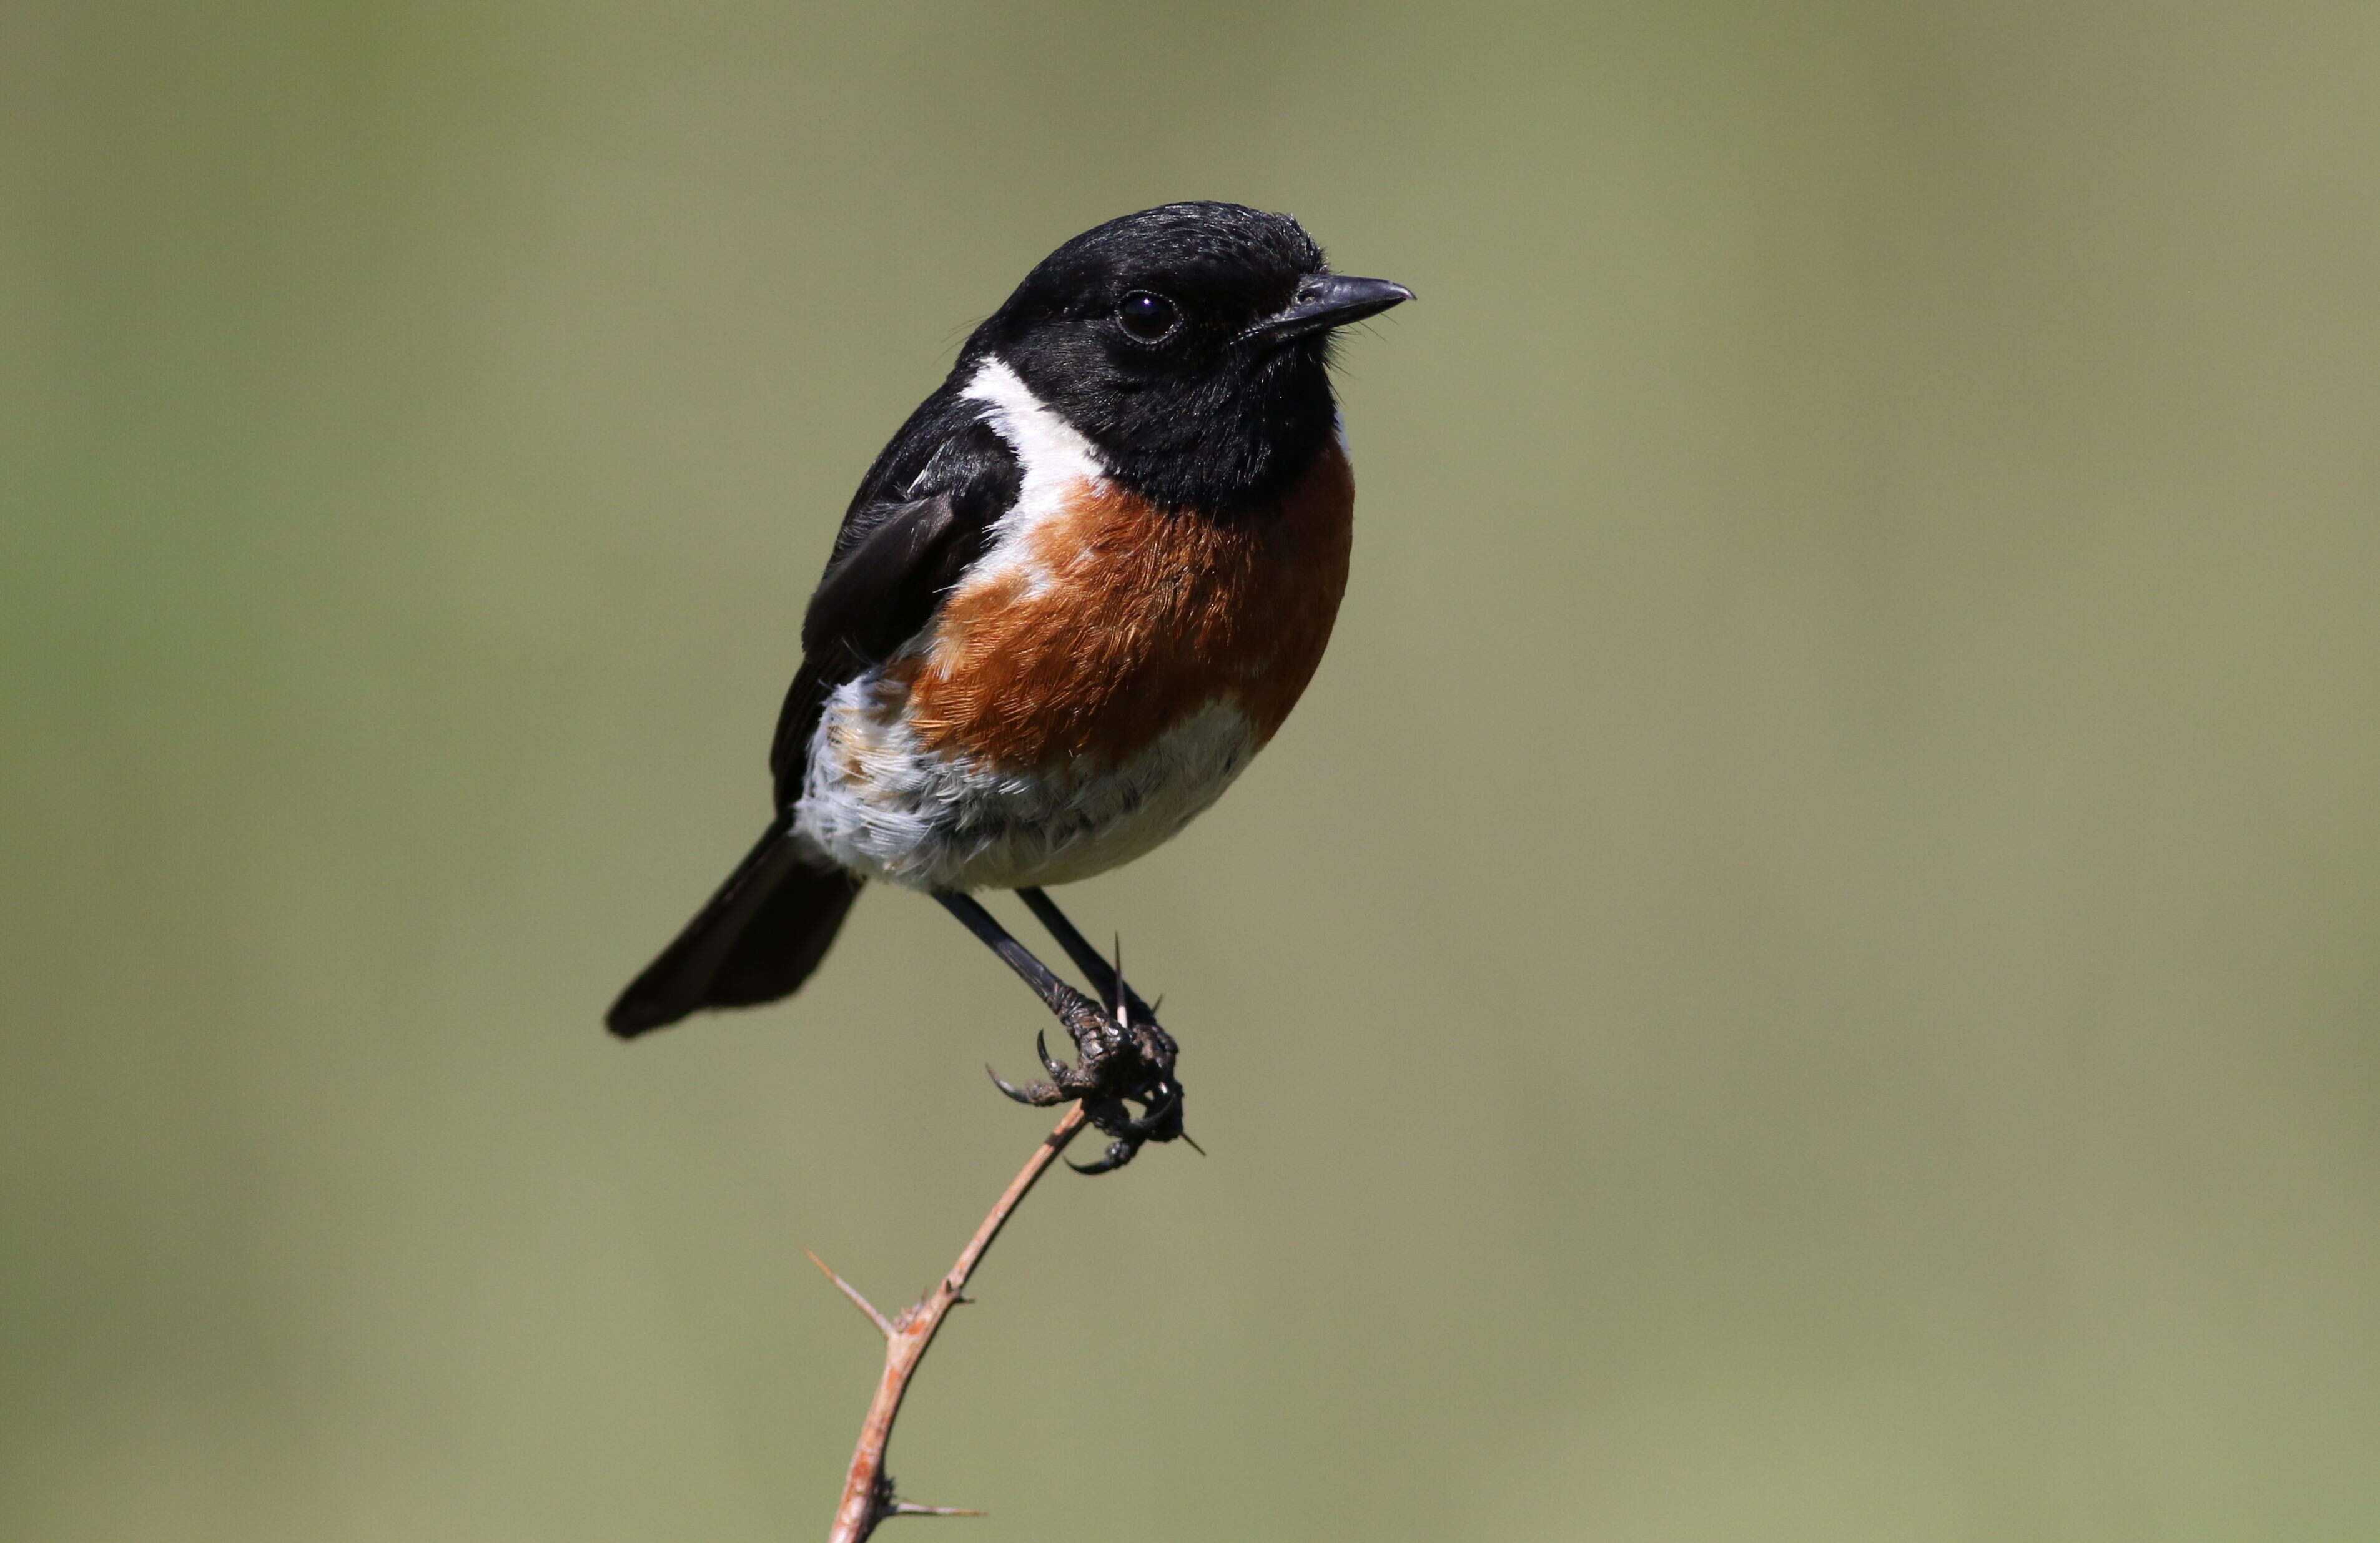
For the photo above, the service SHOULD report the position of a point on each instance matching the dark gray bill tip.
(1326, 301)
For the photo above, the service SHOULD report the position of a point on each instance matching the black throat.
(1230, 443)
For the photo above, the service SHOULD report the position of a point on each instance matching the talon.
(1122, 1065)
(1117, 1155)
(1158, 1112)
(1049, 1064)
(1022, 1095)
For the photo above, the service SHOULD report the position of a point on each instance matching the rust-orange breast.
(1122, 620)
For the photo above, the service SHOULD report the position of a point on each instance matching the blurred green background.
(1810, 967)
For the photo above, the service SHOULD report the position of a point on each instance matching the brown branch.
(867, 1493)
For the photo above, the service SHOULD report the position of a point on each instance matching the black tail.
(757, 939)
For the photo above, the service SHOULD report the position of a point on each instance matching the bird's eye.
(1147, 317)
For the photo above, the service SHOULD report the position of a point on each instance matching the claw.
(1117, 1155)
(1157, 1113)
(1049, 1064)
(1123, 1059)
(1022, 1095)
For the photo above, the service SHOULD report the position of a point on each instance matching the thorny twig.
(867, 1497)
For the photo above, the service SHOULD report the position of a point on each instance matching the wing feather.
(895, 560)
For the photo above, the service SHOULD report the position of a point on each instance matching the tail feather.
(757, 939)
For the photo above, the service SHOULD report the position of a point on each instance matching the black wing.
(920, 519)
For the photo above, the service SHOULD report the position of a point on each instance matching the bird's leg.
(1120, 1051)
(1123, 1004)
(1106, 980)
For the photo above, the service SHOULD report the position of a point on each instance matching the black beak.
(1325, 301)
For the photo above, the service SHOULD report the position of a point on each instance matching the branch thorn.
(883, 1324)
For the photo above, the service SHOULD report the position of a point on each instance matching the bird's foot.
(1123, 1057)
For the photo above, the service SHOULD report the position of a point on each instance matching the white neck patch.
(1054, 460)
(1046, 444)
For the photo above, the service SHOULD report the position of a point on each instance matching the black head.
(1191, 344)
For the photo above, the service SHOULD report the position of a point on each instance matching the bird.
(1079, 589)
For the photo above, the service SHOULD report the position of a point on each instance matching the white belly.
(882, 805)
